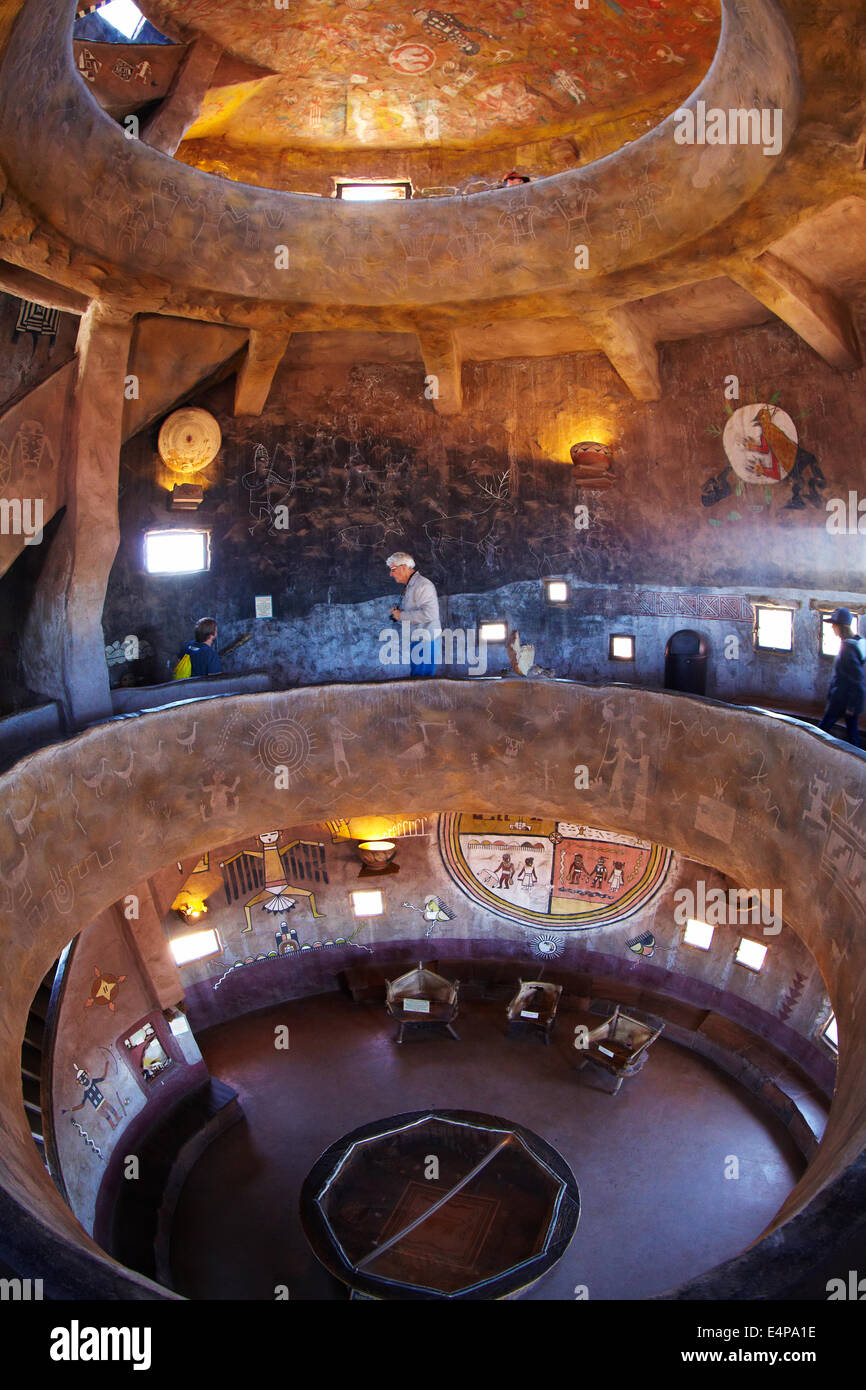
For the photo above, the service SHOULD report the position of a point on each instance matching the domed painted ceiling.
(384, 74)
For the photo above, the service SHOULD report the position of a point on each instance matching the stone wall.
(349, 462)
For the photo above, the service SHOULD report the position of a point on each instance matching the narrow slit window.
(373, 192)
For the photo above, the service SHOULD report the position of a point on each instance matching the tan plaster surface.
(91, 832)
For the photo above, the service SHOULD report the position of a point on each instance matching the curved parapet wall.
(140, 211)
(763, 799)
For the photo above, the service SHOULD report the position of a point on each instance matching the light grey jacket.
(420, 606)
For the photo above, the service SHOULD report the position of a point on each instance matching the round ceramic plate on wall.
(189, 440)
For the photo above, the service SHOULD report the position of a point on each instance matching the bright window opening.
(751, 954)
(830, 643)
(621, 647)
(176, 552)
(367, 902)
(124, 16)
(373, 192)
(492, 632)
(557, 591)
(698, 934)
(196, 945)
(830, 1033)
(774, 629)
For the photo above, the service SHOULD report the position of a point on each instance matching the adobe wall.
(361, 466)
(723, 786)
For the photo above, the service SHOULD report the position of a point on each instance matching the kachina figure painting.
(763, 450)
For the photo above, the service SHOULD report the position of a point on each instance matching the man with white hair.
(420, 608)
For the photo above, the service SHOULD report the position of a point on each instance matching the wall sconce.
(192, 911)
(592, 464)
(376, 857)
(186, 497)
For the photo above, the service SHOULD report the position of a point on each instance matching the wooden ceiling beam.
(255, 377)
(182, 107)
(813, 312)
(443, 366)
(629, 347)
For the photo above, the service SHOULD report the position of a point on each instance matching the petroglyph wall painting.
(551, 873)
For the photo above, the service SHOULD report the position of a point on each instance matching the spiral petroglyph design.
(282, 742)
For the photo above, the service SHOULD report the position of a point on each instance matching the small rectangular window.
(557, 591)
(830, 643)
(195, 945)
(830, 1033)
(774, 629)
(367, 902)
(621, 647)
(372, 192)
(492, 632)
(698, 934)
(751, 954)
(176, 552)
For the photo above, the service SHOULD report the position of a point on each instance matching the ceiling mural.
(378, 73)
(555, 874)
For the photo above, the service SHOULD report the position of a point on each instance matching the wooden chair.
(421, 996)
(619, 1046)
(534, 1006)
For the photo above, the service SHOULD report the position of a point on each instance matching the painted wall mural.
(353, 464)
(93, 1088)
(103, 989)
(568, 877)
(395, 75)
(763, 450)
(271, 866)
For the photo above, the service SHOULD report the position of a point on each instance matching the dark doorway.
(686, 662)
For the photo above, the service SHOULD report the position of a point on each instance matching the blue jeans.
(421, 668)
(836, 706)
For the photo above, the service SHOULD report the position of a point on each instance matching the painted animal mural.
(763, 449)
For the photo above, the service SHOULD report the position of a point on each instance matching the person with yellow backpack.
(200, 657)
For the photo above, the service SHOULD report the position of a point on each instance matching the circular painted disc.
(189, 440)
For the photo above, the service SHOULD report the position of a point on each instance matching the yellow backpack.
(183, 669)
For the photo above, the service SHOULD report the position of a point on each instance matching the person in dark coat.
(202, 652)
(847, 693)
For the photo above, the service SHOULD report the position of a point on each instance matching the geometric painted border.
(637, 897)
